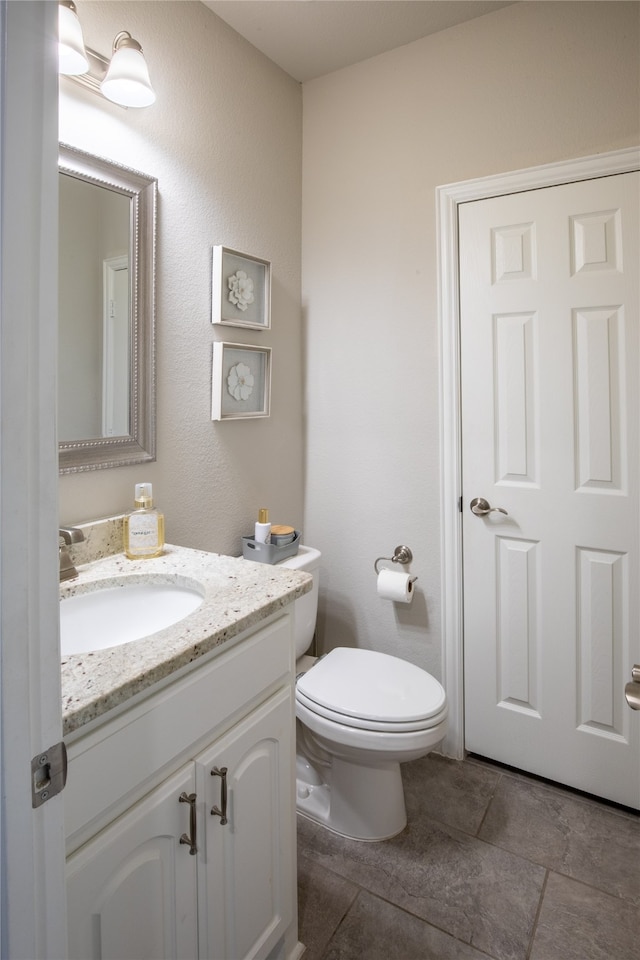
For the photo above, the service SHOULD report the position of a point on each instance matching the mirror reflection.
(106, 366)
(94, 331)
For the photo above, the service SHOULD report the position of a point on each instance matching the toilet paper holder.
(401, 555)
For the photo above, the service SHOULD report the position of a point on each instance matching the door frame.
(448, 197)
(32, 864)
(111, 266)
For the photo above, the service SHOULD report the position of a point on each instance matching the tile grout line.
(342, 918)
(534, 926)
(488, 807)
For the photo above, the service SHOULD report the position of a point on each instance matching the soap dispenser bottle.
(263, 527)
(144, 528)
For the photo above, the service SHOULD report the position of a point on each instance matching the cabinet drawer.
(119, 761)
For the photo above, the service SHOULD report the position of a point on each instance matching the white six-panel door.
(550, 433)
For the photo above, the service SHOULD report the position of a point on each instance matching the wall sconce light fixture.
(127, 81)
(123, 80)
(72, 54)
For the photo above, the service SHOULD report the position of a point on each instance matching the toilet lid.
(371, 686)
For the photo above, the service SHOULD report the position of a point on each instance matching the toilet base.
(358, 802)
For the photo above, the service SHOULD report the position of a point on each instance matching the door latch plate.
(48, 774)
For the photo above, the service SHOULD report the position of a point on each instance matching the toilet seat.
(380, 726)
(373, 691)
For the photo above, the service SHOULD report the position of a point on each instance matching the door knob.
(632, 689)
(481, 507)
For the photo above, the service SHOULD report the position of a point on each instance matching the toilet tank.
(306, 607)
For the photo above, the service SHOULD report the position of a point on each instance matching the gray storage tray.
(269, 552)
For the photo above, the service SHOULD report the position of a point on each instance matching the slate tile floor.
(491, 864)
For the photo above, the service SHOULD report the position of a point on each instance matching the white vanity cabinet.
(130, 892)
(222, 739)
(248, 890)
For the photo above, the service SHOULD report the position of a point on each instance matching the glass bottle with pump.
(144, 528)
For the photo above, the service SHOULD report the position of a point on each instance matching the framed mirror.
(106, 313)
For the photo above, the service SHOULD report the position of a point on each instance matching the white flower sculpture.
(241, 290)
(240, 382)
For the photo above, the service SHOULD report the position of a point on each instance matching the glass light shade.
(127, 81)
(72, 57)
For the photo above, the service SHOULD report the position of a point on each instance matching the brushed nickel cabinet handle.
(221, 811)
(190, 841)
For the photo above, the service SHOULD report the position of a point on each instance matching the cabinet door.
(131, 891)
(247, 881)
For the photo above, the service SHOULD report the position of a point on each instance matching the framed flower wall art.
(240, 382)
(241, 290)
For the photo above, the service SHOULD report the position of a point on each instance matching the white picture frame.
(241, 290)
(240, 381)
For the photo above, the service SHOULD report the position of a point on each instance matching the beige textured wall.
(224, 141)
(530, 84)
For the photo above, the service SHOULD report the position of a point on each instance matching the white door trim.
(111, 266)
(447, 199)
(32, 867)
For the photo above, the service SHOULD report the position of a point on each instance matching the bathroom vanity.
(179, 804)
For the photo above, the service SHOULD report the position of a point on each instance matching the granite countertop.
(238, 594)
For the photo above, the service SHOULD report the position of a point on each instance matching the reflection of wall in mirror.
(94, 226)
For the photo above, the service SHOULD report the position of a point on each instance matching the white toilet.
(360, 715)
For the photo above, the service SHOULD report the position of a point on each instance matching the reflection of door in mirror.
(93, 295)
(115, 350)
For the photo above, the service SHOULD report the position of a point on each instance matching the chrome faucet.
(67, 536)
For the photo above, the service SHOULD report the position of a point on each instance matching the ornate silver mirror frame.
(140, 444)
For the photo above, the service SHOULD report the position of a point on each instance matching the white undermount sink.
(109, 615)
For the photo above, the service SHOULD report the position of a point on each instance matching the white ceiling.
(309, 38)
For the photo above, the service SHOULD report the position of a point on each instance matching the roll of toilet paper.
(395, 586)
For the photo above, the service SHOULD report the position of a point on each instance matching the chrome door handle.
(632, 689)
(481, 507)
